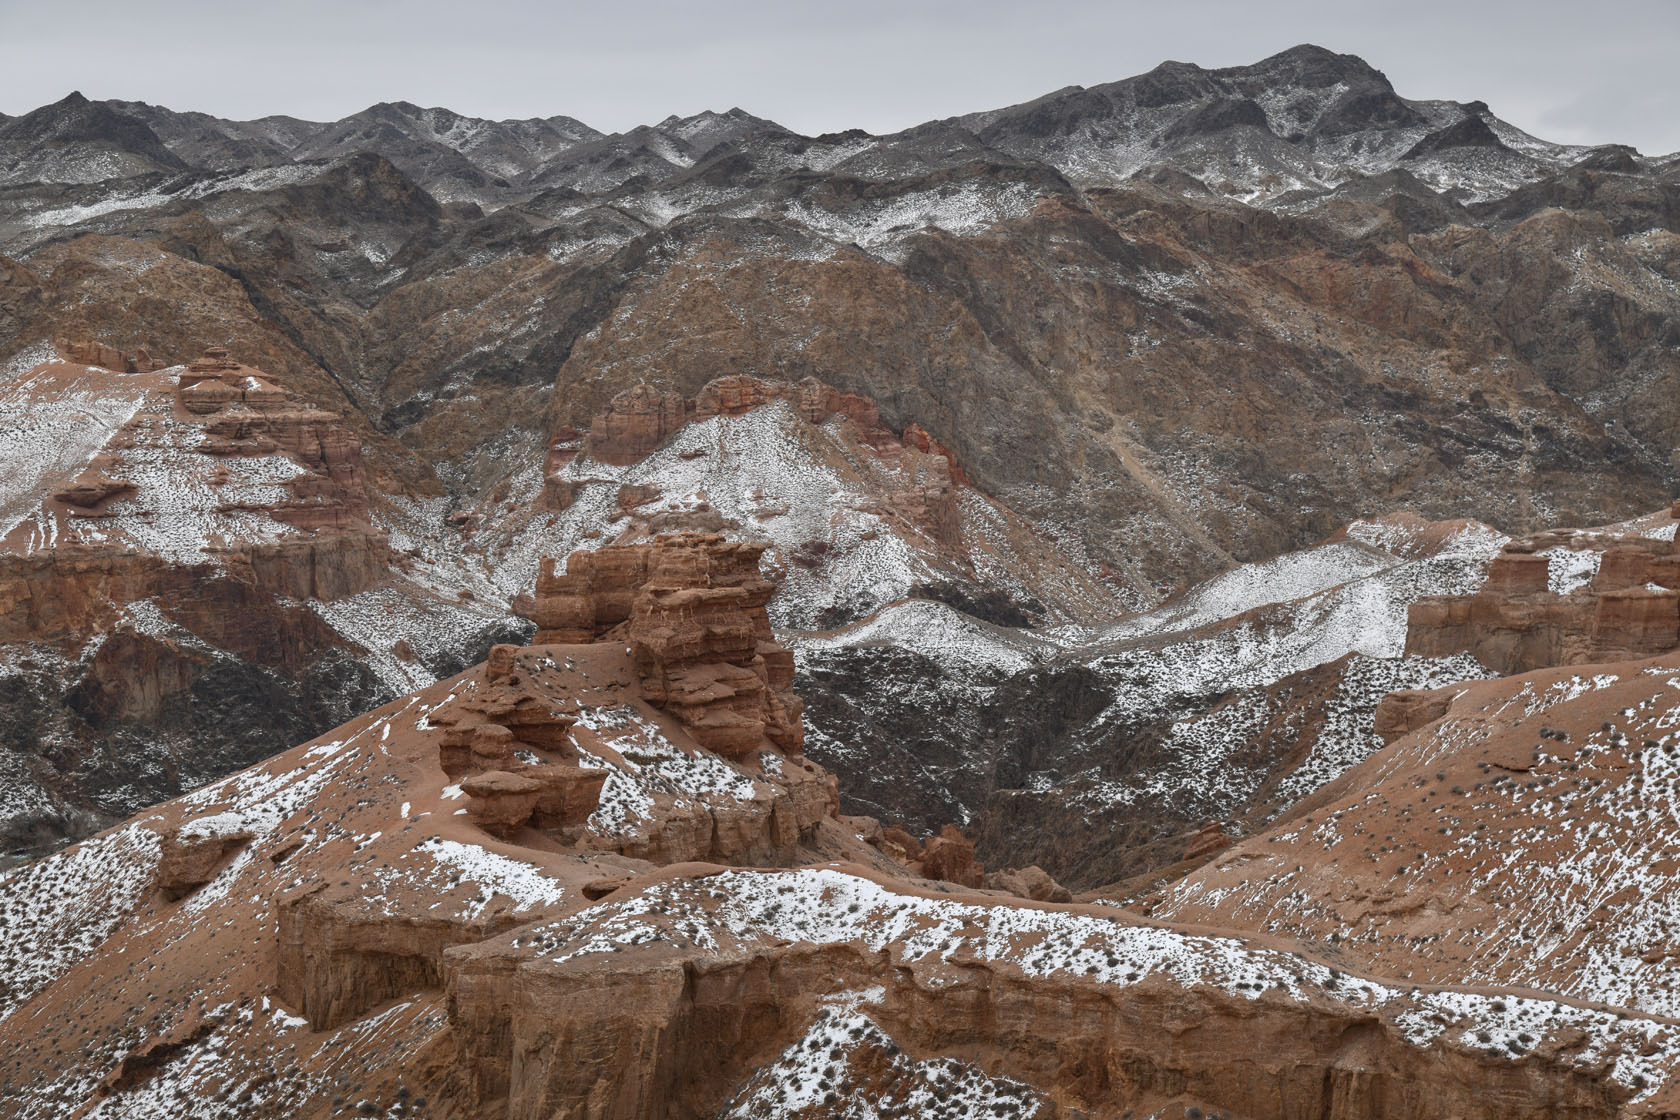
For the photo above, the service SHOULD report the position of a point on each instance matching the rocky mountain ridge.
(1177, 318)
(1074, 441)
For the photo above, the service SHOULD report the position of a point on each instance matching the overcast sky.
(1567, 70)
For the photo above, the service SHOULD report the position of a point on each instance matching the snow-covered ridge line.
(827, 906)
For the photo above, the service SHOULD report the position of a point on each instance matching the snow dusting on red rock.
(1156, 603)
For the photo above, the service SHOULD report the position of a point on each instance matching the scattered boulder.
(950, 856)
(1031, 882)
(193, 854)
(501, 803)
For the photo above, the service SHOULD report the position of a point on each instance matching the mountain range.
(499, 619)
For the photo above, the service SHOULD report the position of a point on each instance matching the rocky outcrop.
(691, 608)
(900, 845)
(92, 489)
(57, 595)
(339, 954)
(215, 381)
(631, 496)
(814, 401)
(324, 565)
(192, 854)
(638, 420)
(1208, 841)
(503, 715)
(664, 1029)
(1031, 882)
(1403, 712)
(501, 803)
(482, 736)
(950, 856)
(1515, 623)
(634, 423)
(929, 498)
(109, 357)
(164, 581)
(514, 746)
(248, 414)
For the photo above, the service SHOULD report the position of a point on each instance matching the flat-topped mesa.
(215, 381)
(691, 608)
(1515, 623)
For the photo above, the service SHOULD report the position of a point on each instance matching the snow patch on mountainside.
(825, 907)
(51, 425)
(58, 910)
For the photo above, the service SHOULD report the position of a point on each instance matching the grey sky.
(1567, 70)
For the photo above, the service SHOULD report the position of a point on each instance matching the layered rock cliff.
(1563, 597)
(186, 559)
(438, 909)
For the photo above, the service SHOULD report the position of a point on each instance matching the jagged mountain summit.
(451, 321)
(1278, 132)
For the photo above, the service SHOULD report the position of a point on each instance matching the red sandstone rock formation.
(108, 357)
(900, 845)
(950, 856)
(93, 488)
(215, 381)
(191, 855)
(631, 496)
(814, 400)
(519, 969)
(637, 421)
(1401, 713)
(501, 803)
(1031, 882)
(691, 607)
(930, 498)
(917, 436)
(1208, 841)
(1514, 623)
